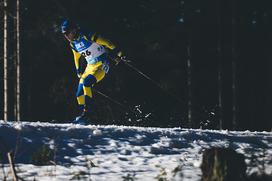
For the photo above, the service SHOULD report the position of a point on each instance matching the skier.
(95, 49)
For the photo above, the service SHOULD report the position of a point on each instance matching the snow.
(99, 152)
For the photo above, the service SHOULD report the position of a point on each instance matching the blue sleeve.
(91, 34)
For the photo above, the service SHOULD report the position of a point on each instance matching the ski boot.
(82, 119)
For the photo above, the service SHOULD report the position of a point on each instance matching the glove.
(117, 60)
(119, 56)
(78, 73)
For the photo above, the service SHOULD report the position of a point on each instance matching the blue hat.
(64, 26)
(67, 26)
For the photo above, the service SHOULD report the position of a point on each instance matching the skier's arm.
(106, 43)
(76, 60)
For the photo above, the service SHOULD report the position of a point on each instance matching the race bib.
(92, 52)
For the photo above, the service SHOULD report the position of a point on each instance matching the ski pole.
(127, 62)
(126, 107)
(111, 99)
(180, 100)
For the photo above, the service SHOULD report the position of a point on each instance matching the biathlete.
(95, 49)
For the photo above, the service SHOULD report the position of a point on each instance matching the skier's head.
(70, 30)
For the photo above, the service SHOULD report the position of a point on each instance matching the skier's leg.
(92, 75)
(84, 92)
(88, 82)
(84, 97)
(80, 95)
(99, 74)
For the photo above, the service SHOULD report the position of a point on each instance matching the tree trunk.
(223, 164)
(18, 71)
(234, 57)
(189, 84)
(219, 58)
(5, 62)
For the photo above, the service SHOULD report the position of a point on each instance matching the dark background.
(155, 36)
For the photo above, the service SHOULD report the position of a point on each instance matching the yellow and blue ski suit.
(94, 49)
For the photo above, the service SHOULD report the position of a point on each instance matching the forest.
(194, 64)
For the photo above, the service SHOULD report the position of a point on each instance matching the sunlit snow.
(121, 152)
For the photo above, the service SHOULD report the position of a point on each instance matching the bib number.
(86, 53)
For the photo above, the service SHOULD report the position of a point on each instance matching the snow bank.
(120, 152)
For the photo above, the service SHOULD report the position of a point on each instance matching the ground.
(70, 152)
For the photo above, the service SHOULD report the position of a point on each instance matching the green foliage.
(42, 156)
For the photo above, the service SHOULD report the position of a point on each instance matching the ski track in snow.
(120, 152)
